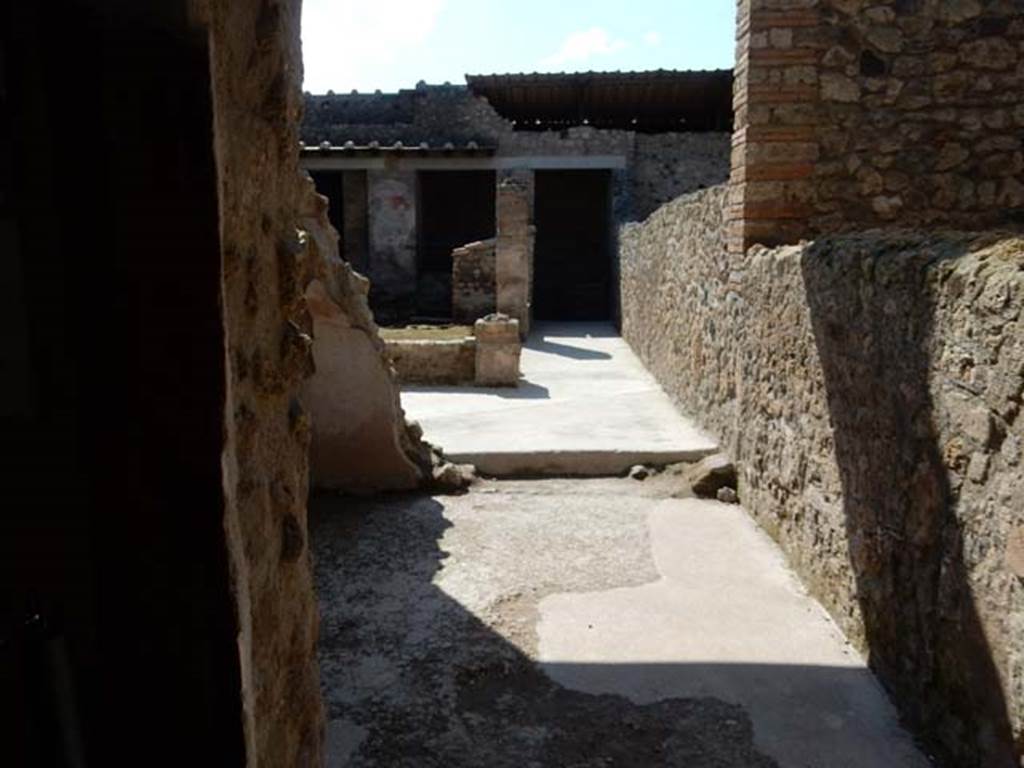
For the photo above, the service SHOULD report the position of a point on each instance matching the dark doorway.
(456, 207)
(572, 277)
(347, 212)
(331, 185)
(117, 618)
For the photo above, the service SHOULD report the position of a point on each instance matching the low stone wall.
(473, 281)
(675, 283)
(420, 361)
(486, 355)
(869, 387)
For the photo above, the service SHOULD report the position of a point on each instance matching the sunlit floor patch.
(429, 643)
(727, 619)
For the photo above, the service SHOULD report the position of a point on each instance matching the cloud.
(652, 39)
(347, 41)
(583, 46)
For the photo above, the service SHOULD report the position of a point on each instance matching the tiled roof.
(659, 100)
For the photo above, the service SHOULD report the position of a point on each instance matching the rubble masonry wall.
(851, 115)
(869, 387)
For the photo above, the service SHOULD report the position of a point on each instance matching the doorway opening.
(456, 208)
(117, 618)
(347, 212)
(573, 269)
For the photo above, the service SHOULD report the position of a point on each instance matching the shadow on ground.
(526, 390)
(413, 678)
(544, 344)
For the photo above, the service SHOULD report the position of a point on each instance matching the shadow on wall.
(413, 678)
(874, 337)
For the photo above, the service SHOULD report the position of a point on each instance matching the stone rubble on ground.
(710, 475)
(727, 496)
(639, 472)
(448, 477)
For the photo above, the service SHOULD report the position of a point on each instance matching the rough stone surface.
(727, 496)
(710, 475)
(639, 472)
(853, 115)
(666, 166)
(1015, 552)
(473, 281)
(450, 361)
(676, 286)
(498, 349)
(869, 388)
(514, 248)
(924, 80)
(448, 477)
(255, 63)
(360, 442)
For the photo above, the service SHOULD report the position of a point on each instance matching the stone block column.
(514, 247)
(392, 240)
(497, 351)
(775, 100)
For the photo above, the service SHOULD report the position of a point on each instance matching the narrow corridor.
(580, 623)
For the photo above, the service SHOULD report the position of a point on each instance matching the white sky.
(366, 45)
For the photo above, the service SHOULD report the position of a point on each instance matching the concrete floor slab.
(727, 619)
(585, 406)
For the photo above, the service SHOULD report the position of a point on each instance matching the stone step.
(572, 463)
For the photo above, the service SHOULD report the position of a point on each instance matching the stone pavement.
(586, 406)
(581, 623)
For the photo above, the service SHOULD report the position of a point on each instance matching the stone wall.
(280, 270)
(360, 442)
(850, 115)
(434, 361)
(675, 286)
(869, 387)
(255, 65)
(473, 281)
(936, 133)
(665, 166)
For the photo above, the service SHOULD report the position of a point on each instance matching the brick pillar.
(775, 98)
(514, 247)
